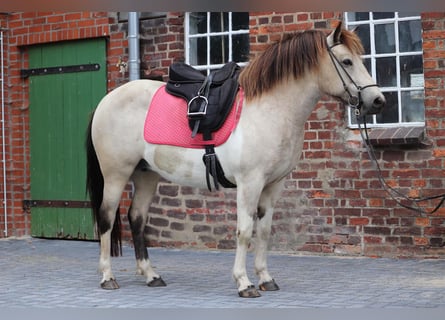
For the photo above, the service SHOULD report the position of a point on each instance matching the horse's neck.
(271, 127)
(291, 102)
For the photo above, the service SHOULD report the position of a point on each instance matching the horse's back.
(118, 122)
(132, 97)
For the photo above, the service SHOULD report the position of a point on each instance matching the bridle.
(354, 101)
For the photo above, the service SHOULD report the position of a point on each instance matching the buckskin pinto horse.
(281, 88)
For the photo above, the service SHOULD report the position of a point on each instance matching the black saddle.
(209, 101)
(210, 98)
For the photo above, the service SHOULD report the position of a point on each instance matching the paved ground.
(56, 273)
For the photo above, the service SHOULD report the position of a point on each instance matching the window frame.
(398, 89)
(187, 36)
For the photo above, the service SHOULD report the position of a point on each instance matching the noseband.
(354, 101)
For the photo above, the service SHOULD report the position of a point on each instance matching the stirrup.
(202, 111)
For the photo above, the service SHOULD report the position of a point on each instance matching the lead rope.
(390, 190)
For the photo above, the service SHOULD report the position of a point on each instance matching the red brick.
(423, 222)
(439, 153)
(433, 15)
(421, 241)
(372, 239)
(358, 221)
(54, 18)
(434, 34)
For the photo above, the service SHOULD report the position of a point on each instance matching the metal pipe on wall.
(133, 46)
(2, 97)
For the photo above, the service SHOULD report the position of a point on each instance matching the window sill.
(397, 136)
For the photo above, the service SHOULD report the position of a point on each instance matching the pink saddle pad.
(167, 122)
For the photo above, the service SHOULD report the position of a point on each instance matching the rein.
(355, 102)
(393, 193)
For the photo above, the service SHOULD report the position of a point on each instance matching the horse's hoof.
(109, 285)
(250, 292)
(269, 286)
(157, 282)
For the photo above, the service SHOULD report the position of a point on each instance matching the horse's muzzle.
(376, 107)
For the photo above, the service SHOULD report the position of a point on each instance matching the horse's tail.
(94, 188)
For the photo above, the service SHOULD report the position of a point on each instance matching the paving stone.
(58, 273)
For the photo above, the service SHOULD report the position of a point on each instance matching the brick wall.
(162, 42)
(332, 202)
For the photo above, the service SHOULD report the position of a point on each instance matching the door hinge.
(28, 204)
(25, 73)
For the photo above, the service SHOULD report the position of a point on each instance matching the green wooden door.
(60, 106)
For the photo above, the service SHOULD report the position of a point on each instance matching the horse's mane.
(292, 56)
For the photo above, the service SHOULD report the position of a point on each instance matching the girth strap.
(214, 169)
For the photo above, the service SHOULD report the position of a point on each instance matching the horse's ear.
(335, 36)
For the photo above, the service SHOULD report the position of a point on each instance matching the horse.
(282, 86)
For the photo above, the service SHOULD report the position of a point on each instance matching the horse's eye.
(347, 62)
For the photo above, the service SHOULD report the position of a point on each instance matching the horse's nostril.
(379, 102)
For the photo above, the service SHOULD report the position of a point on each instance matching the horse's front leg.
(267, 201)
(247, 201)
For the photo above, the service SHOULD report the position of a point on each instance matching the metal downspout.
(133, 46)
(2, 97)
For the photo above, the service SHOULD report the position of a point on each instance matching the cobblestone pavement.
(57, 273)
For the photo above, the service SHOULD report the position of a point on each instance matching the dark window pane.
(410, 36)
(390, 113)
(382, 15)
(198, 51)
(219, 49)
(411, 71)
(219, 21)
(384, 38)
(240, 47)
(386, 71)
(363, 32)
(198, 22)
(413, 109)
(240, 20)
(367, 63)
(358, 16)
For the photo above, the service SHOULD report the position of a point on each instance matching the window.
(214, 38)
(393, 56)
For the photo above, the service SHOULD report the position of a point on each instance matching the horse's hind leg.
(113, 187)
(145, 183)
(266, 204)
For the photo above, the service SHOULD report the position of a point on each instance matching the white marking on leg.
(144, 267)
(105, 258)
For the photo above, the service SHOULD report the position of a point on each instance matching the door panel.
(60, 106)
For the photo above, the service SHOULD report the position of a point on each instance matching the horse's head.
(344, 76)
